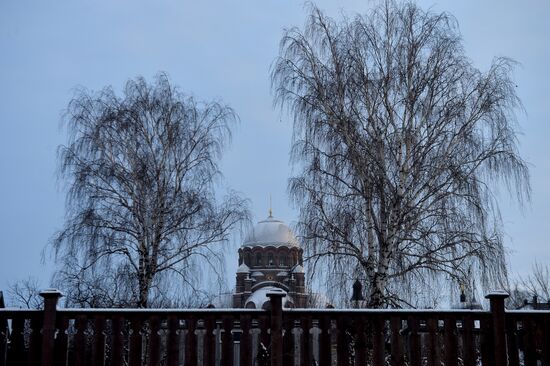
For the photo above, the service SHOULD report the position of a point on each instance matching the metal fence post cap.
(497, 294)
(50, 293)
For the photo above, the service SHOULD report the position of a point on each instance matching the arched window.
(259, 259)
(282, 260)
(270, 260)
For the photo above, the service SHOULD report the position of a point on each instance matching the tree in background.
(401, 142)
(142, 213)
(25, 294)
(536, 285)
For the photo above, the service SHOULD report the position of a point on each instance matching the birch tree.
(400, 143)
(142, 211)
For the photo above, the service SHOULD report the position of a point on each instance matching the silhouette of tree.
(400, 141)
(142, 211)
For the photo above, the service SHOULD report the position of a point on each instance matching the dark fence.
(278, 337)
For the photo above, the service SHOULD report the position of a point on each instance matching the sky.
(219, 50)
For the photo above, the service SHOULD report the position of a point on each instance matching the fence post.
(4, 335)
(276, 300)
(51, 296)
(496, 299)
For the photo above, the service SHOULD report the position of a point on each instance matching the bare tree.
(142, 210)
(538, 282)
(401, 143)
(25, 294)
(536, 285)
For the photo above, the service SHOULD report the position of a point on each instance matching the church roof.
(271, 232)
(243, 268)
(298, 269)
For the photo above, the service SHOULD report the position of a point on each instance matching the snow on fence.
(296, 337)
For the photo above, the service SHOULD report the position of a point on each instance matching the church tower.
(270, 259)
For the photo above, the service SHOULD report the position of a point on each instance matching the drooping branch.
(141, 171)
(401, 142)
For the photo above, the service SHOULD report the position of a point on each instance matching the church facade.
(270, 259)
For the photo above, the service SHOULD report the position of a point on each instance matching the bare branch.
(141, 170)
(401, 142)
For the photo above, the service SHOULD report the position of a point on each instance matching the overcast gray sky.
(221, 50)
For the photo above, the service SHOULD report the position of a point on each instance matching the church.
(270, 259)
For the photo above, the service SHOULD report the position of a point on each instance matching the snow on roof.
(243, 268)
(271, 232)
(298, 269)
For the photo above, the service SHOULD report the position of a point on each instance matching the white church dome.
(243, 268)
(298, 269)
(271, 232)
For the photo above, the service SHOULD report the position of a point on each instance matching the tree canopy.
(142, 210)
(401, 143)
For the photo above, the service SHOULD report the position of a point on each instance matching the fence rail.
(296, 337)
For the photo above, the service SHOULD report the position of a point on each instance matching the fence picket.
(414, 341)
(529, 350)
(307, 347)
(325, 341)
(135, 354)
(378, 351)
(511, 339)
(117, 339)
(360, 341)
(60, 348)
(343, 336)
(396, 342)
(172, 346)
(227, 341)
(546, 342)
(79, 340)
(4, 335)
(486, 341)
(190, 342)
(433, 349)
(451, 341)
(98, 346)
(154, 351)
(35, 341)
(468, 341)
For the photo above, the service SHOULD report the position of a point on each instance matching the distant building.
(270, 259)
(534, 304)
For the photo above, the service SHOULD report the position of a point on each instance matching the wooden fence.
(294, 337)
